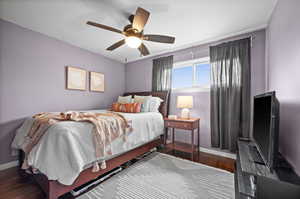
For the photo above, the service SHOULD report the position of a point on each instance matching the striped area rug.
(161, 176)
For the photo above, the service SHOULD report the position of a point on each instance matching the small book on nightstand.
(172, 117)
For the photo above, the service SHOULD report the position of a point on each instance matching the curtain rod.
(218, 42)
(252, 37)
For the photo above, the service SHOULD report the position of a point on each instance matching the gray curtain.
(230, 93)
(162, 73)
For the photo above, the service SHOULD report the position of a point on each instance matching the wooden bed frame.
(54, 189)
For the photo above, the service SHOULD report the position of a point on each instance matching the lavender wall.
(32, 79)
(139, 78)
(284, 72)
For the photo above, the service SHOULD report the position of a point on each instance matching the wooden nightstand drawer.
(179, 125)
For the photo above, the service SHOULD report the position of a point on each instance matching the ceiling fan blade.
(140, 19)
(159, 38)
(104, 27)
(143, 50)
(116, 45)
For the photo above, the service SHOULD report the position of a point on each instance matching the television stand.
(248, 170)
(256, 157)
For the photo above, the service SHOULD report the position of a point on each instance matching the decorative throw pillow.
(127, 108)
(154, 103)
(125, 100)
(144, 100)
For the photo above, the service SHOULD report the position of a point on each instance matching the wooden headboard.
(164, 95)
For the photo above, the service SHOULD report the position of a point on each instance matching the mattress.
(67, 147)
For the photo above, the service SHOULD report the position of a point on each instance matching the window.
(203, 74)
(181, 77)
(191, 74)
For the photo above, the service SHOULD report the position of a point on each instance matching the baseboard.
(219, 153)
(9, 165)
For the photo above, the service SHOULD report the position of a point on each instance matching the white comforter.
(67, 147)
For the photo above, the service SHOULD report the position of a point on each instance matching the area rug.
(161, 176)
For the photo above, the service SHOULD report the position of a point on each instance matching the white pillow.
(144, 100)
(125, 100)
(154, 103)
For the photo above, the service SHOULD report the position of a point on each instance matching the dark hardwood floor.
(12, 185)
(203, 158)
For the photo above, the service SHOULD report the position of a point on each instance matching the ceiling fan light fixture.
(134, 33)
(133, 42)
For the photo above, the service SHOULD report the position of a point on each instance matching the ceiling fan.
(134, 33)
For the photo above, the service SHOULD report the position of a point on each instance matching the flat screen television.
(266, 127)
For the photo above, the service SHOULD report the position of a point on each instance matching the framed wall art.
(76, 78)
(97, 83)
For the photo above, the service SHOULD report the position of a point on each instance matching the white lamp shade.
(184, 101)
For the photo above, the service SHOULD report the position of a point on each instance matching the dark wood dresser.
(251, 176)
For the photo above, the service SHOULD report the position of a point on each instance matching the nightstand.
(186, 124)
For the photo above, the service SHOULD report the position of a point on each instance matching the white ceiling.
(190, 21)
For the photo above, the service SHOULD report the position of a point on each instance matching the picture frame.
(97, 82)
(76, 78)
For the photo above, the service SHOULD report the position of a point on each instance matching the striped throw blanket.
(107, 127)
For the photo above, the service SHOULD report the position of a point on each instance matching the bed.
(57, 180)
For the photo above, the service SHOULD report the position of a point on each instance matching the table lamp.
(185, 102)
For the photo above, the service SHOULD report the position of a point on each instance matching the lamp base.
(185, 113)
